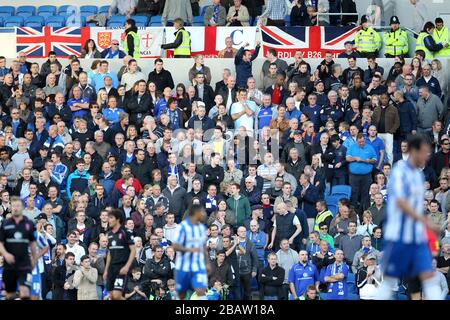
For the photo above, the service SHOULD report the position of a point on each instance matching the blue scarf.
(111, 55)
(216, 14)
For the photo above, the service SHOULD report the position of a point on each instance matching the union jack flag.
(312, 41)
(37, 42)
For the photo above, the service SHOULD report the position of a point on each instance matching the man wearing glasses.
(113, 52)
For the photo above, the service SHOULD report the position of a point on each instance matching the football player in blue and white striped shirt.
(406, 252)
(190, 263)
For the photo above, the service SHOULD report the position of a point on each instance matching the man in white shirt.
(243, 111)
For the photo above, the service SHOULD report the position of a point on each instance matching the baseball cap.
(257, 207)
(317, 82)
(297, 132)
(348, 42)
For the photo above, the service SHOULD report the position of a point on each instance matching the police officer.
(426, 42)
(182, 43)
(441, 35)
(17, 241)
(132, 41)
(395, 41)
(367, 40)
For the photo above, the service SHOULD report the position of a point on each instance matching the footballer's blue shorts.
(406, 260)
(185, 281)
(35, 288)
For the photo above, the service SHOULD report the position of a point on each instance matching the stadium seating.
(26, 11)
(55, 21)
(343, 191)
(34, 21)
(88, 9)
(116, 21)
(75, 21)
(51, 9)
(141, 21)
(197, 21)
(333, 208)
(63, 8)
(45, 14)
(7, 9)
(104, 9)
(155, 21)
(13, 21)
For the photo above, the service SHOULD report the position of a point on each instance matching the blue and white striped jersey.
(407, 183)
(41, 243)
(191, 236)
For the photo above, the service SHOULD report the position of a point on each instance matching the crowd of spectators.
(262, 161)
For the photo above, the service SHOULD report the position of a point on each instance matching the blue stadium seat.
(13, 21)
(45, 14)
(155, 21)
(91, 24)
(116, 21)
(1, 21)
(287, 21)
(104, 9)
(91, 9)
(198, 21)
(332, 199)
(7, 9)
(141, 21)
(341, 190)
(76, 21)
(26, 11)
(51, 9)
(55, 21)
(67, 10)
(333, 208)
(34, 21)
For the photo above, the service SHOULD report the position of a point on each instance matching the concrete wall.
(179, 67)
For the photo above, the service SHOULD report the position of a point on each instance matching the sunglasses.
(115, 44)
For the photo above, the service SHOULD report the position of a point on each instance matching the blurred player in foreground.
(406, 251)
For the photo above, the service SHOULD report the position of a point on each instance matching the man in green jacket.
(238, 204)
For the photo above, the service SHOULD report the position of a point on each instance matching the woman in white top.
(366, 228)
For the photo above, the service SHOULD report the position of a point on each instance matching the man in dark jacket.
(243, 63)
(201, 120)
(97, 203)
(221, 270)
(157, 269)
(160, 76)
(45, 68)
(271, 279)
(6, 88)
(176, 196)
(407, 115)
(247, 260)
(140, 169)
(138, 104)
(213, 173)
(442, 157)
(307, 195)
(203, 91)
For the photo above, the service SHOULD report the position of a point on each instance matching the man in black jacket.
(213, 173)
(271, 279)
(138, 104)
(6, 88)
(228, 93)
(221, 270)
(203, 91)
(62, 277)
(140, 169)
(160, 76)
(157, 269)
